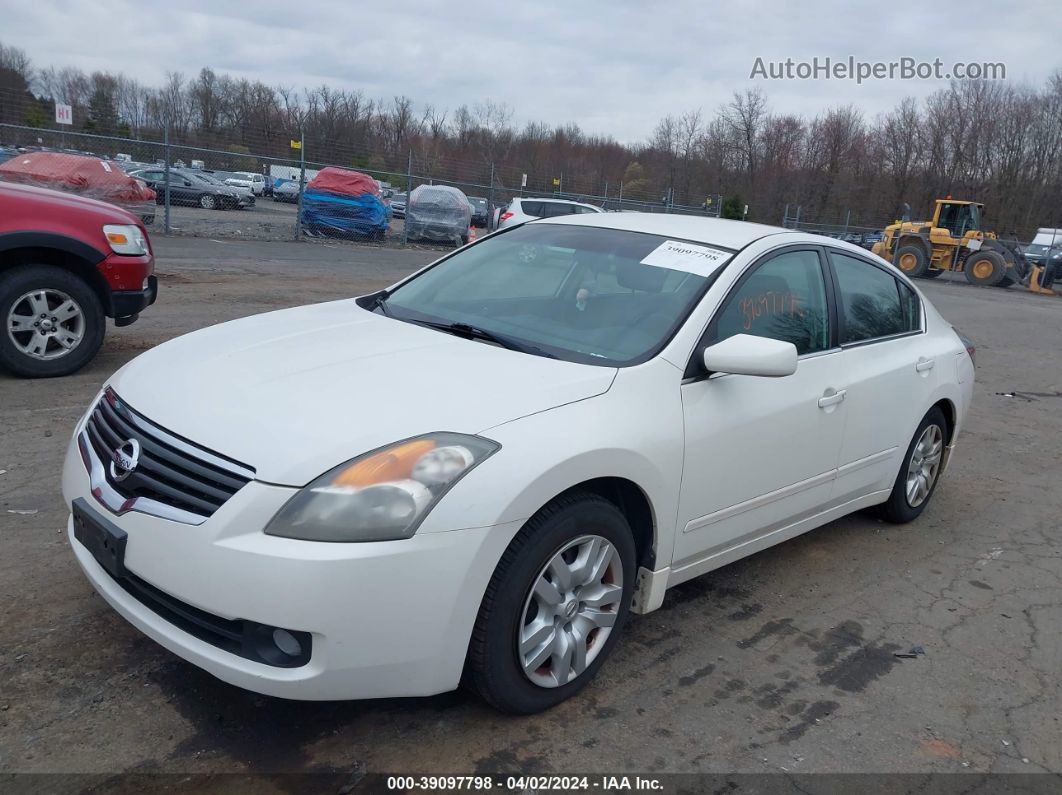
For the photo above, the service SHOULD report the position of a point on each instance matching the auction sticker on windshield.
(688, 257)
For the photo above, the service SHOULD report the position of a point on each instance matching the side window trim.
(694, 370)
(837, 304)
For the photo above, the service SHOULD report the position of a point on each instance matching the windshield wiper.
(379, 302)
(476, 333)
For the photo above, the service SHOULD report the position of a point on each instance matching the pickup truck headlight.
(125, 239)
(383, 495)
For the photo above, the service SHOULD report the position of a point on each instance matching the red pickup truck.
(66, 264)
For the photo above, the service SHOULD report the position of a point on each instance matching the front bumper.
(127, 304)
(386, 618)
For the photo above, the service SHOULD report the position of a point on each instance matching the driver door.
(761, 453)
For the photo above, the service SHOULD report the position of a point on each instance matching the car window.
(869, 300)
(555, 209)
(580, 210)
(783, 298)
(531, 208)
(912, 308)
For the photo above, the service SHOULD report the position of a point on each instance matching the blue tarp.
(331, 213)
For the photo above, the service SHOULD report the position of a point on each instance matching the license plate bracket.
(105, 541)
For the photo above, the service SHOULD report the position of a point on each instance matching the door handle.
(925, 364)
(832, 399)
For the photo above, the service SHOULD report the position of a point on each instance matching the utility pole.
(302, 179)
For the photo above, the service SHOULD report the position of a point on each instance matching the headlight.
(382, 495)
(125, 239)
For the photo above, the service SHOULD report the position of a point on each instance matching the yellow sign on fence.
(296, 144)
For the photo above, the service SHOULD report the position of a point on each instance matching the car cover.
(438, 212)
(341, 202)
(84, 175)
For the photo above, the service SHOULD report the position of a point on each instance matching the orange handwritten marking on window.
(770, 303)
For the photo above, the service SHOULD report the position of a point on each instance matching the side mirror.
(744, 354)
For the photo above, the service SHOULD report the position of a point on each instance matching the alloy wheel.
(45, 324)
(570, 611)
(924, 466)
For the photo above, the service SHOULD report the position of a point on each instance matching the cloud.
(613, 67)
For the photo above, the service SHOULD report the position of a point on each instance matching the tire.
(20, 291)
(568, 526)
(932, 273)
(912, 260)
(899, 509)
(985, 268)
(208, 202)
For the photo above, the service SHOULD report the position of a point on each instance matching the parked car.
(7, 152)
(480, 211)
(84, 175)
(398, 205)
(340, 202)
(438, 213)
(870, 238)
(1046, 246)
(246, 179)
(66, 263)
(502, 499)
(192, 187)
(284, 190)
(520, 210)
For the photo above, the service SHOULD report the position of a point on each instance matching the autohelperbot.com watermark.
(904, 68)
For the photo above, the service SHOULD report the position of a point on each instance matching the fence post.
(621, 196)
(796, 221)
(409, 195)
(302, 181)
(490, 197)
(604, 203)
(785, 217)
(167, 155)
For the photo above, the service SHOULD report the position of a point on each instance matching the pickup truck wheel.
(207, 201)
(53, 322)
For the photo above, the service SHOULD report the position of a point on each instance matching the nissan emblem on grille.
(126, 457)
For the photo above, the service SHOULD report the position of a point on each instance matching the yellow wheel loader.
(953, 241)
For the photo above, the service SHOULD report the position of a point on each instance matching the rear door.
(891, 374)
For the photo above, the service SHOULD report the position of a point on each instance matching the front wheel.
(554, 606)
(53, 322)
(917, 479)
(985, 268)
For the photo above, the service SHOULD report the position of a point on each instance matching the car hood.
(296, 392)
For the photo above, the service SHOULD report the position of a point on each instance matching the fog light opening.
(287, 643)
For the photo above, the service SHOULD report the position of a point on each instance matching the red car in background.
(85, 175)
(66, 264)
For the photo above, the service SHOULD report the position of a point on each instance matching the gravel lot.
(781, 662)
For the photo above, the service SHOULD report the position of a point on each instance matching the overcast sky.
(612, 66)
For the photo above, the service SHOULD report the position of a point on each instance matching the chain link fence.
(234, 191)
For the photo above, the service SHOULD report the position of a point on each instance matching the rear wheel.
(917, 479)
(208, 202)
(554, 606)
(912, 260)
(53, 322)
(985, 268)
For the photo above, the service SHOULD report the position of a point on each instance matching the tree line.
(991, 141)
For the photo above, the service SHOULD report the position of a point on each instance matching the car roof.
(713, 231)
(551, 199)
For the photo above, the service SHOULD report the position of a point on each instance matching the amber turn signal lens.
(393, 464)
(114, 237)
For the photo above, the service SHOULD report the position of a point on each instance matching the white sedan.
(490, 465)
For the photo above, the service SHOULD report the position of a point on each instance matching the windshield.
(207, 178)
(478, 203)
(583, 294)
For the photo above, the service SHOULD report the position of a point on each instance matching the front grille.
(170, 470)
